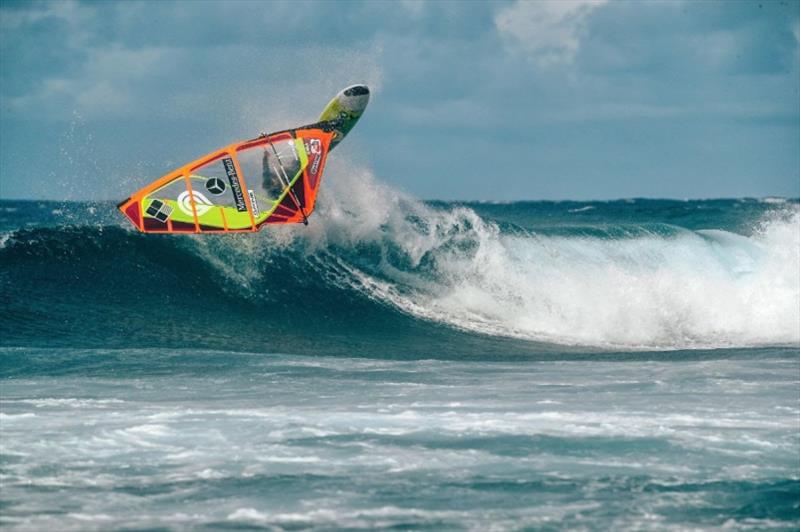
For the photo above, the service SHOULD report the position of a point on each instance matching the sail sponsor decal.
(159, 210)
(236, 187)
(215, 186)
(253, 203)
(201, 203)
(314, 150)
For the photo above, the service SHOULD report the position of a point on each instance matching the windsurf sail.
(272, 179)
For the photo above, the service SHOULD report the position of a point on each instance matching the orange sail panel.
(268, 180)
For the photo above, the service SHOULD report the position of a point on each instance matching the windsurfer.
(269, 174)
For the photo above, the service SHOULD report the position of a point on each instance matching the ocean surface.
(623, 365)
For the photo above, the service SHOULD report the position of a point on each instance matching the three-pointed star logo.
(215, 185)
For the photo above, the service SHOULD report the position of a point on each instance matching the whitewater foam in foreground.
(191, 439)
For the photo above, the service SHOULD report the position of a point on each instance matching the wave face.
(376, 268)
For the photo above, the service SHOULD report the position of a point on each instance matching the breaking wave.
(637, 286)
(373, 257)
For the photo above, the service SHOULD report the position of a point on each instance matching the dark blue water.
(398, 364)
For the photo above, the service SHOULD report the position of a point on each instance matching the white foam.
(14, 417)
(90, 517)
(247, 514)
(68, 401)
(694, 289)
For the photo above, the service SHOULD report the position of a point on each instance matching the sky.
(498, 101)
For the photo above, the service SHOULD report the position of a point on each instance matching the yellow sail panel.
(219, 196)
(167, 208)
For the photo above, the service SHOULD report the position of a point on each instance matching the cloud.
(72, 13)
(548, 30)
(157, 84)
(101, 86)
(157, 62)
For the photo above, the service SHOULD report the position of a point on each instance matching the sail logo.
(314, 150)
(254, 203)
(236, 187)
(201, 203)
(216, 186)
(314, 146)
(315, 166)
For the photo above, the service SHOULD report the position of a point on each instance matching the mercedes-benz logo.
(215, 185)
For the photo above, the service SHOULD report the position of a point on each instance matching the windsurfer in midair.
(269, 174)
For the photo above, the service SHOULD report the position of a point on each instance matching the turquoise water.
(596, 366)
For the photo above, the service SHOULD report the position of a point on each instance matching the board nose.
(356, 90)
(355, 98)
